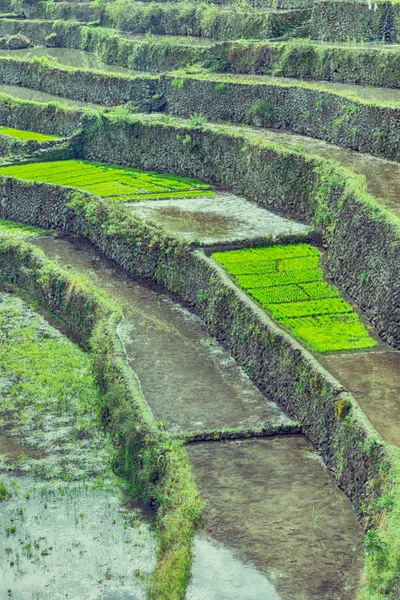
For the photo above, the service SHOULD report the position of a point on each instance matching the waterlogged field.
(288, 281)
(110, 181)
(64, 529)
(27, 135)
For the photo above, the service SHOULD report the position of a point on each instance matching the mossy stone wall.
(78, 84)
(302, 58)
(355, 21)
(318, 113)
(201, 20)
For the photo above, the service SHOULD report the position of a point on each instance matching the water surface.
(220, 219)
(373, 379)
(24, 93)
(67, 57)
(188, 379)
(275, 507)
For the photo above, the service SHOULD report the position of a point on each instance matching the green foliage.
(197, 120)
(178, 83)
(262, 109)
(288, 282)
(109, 181)
(4, 492)
(220, 88)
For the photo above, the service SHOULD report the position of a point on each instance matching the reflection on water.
(273, 503)
(218, 574)
(188, 379)
(373, 379)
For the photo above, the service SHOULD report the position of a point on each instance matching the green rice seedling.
(18, 229)
(304, 262)
(278, 279)
(331, 333)
(310, 308)
(111, 181)
(279, 295)
(319, 290)
(288, 282)
(27, 135)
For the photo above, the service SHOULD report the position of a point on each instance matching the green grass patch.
(110, 181)
(27, 135)
(288, 281)
(19, 230)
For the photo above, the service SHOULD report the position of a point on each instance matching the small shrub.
(262, 111)
(197, 120)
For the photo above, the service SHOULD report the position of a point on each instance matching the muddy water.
(373, 379)
(28, 94)
(68, 57)
(188, 379)
(218, 219)
(292, 524)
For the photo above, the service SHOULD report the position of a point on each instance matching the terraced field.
(109, 181)
(288, 281)
(245, 157)
(27, 135)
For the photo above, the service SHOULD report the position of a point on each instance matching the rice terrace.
(199, 300)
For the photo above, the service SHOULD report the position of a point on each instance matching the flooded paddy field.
(222, 218)
(382, 176)
(275, 526)
(273, 508)
(67, 530)
(69, 57)
(187, 378)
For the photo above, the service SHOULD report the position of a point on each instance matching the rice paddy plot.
(288, 281)
(11, 228)
(27, 136)
(110, 181)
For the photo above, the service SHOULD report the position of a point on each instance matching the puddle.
(35, 96)
(68, 57)
(188, 379)
(273, 506)
(65, 530)
(373, 379)
(222, 218)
